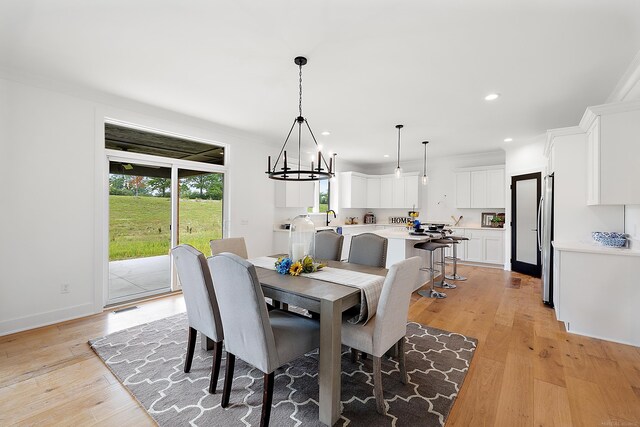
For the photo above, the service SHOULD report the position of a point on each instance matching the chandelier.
(285, 171)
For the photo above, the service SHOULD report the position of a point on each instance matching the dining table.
(329, 300)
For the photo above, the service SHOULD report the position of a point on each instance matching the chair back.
(234, 245)
(199, 295)
(249, 334)
(368, 249)
(393, 306)
(329, 245)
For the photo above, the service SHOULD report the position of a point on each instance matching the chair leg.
(191, 346)
(215, 366)
(363, 355)
(377, 385)
(267, 399)
(228, 379)
(354, 355)
(401, 361)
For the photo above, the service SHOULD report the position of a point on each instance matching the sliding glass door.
(139, 230)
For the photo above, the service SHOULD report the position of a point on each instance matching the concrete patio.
(139, 277)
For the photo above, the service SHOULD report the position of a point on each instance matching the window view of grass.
(140, 214)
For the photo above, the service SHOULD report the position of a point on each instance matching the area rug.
(149, 360)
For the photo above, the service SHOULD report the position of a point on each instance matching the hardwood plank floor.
(527, 370)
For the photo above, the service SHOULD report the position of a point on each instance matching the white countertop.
(595, 248)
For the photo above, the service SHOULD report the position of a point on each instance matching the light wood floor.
(527, 370)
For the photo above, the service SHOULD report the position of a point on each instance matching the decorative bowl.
(615, 240)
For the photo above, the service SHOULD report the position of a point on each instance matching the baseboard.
(590, 335)
(47, 318)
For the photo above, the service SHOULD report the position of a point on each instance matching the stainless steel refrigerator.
(545, 237)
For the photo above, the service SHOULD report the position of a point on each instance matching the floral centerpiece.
(285, 265)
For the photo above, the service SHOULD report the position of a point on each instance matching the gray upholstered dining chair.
(328, 245)
(368, 249)
(202, 305)
(235, 245)
(388, 326)
(264, 339)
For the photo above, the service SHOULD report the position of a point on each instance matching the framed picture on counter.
(486, 218)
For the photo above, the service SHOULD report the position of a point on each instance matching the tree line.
(207, 186)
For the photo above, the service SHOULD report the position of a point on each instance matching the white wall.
(52, 216)
(632, 224)
(520, 159)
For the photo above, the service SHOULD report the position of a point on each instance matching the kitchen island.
(596, 290)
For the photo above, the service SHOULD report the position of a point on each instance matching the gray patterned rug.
(148, 360)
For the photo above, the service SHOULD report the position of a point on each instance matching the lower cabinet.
(485, 246)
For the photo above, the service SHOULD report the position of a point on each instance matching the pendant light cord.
(424, 173)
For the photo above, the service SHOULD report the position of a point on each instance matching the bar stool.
(456, 240)
(431, 247)
(443, 283)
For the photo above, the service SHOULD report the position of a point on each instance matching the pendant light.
(425, 178)
(398, 168)
(323, 170)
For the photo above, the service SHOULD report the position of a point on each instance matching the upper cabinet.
(294, 194)
(481, 188)
(378, 191)
(613, 150)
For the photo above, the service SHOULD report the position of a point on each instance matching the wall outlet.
(65, 288)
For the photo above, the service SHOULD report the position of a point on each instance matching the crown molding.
(629, 80)
(552, 134)
(613, 108)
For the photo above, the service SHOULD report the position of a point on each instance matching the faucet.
(334, 215)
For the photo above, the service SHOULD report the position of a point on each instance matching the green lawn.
(140, 226)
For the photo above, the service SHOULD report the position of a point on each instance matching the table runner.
(370, 285)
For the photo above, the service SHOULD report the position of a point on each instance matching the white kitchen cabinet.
(596, 291)
(379, 191)
(495, 188)
(463, 190)
(386, 191)
(613, 132)
(373, 193)
(411, 191)
(294, 194)
(353, 190)
(479, 189)
(398, 193)
(486, 246)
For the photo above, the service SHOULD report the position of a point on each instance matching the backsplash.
(632, 224)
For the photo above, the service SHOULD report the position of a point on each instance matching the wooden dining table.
(329, 300)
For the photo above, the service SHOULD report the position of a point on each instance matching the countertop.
(591, 247)
(355, 226)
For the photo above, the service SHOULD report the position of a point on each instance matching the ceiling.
(427, 64)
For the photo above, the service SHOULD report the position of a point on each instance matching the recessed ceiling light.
(386, 155)
(492, 96)
(325, 133)
(508, 139)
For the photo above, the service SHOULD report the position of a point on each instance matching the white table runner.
(370, 285)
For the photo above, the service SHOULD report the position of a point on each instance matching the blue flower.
(283, 265)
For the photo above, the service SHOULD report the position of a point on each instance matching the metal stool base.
(455, 277)
(445, 285)
(432, 294)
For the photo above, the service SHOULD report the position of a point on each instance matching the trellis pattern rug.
(149, 360)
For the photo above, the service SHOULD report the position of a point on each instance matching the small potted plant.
(497, 221)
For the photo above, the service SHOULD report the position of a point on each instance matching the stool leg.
(455, 275)
(443, 283)
(432, 293)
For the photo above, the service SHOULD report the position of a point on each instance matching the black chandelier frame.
(287, 173)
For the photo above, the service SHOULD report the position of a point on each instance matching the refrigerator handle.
(540, 223)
